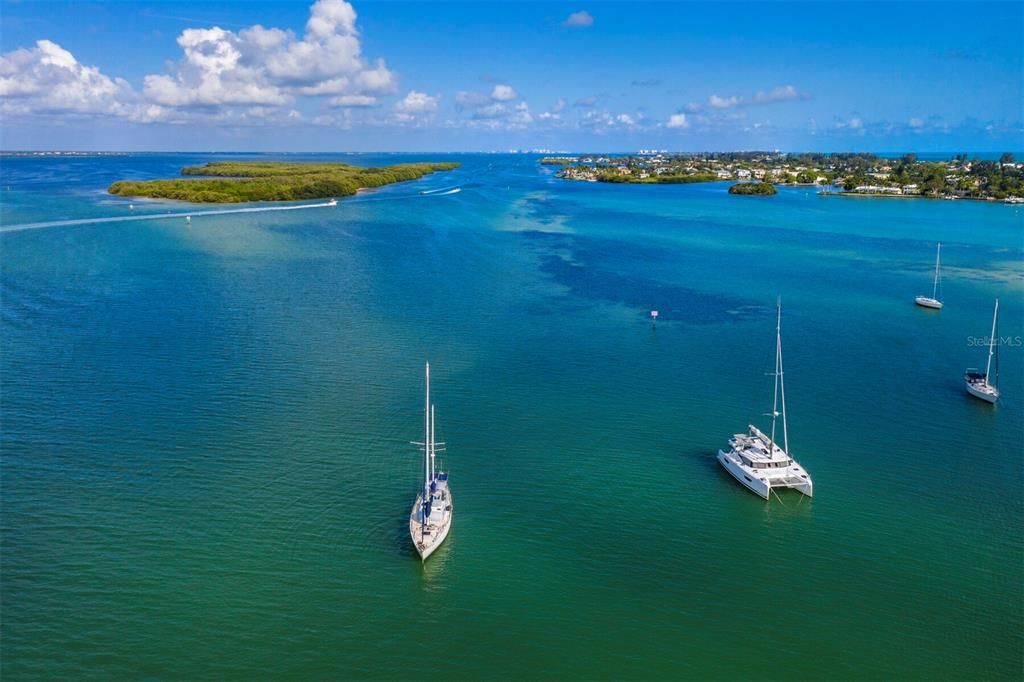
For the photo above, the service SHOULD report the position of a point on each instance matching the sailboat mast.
(991, 342)
(433, 444)
(426, 441)
(935, 285)
(775, 392)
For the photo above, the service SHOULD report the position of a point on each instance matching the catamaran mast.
(935, 285)
(775, 392)
(782, 378)
(991, 342)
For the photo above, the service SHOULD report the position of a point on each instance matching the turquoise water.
(205, 462)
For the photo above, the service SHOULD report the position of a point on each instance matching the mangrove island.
(760, 189)
(223, 182)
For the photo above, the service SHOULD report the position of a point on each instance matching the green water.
(206, 471)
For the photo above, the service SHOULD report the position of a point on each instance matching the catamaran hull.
(926, 302)
(761, 488)
(753, 485)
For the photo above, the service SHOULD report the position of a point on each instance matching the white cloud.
(693, 108)
(48, 79)
(677, 121)
(783, 93)
(558, 106)
(854, 124)
(625, 119)
(503, 93)
(581, 19)
(716, 102)
(916, 123)
(415, 107)
(416, 102)
(269, 66)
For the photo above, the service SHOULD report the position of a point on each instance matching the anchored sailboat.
(755, 459)
(431, 515)
(978, 384)
(933, 301)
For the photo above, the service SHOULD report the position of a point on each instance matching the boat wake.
(441, 192)
(158, 216)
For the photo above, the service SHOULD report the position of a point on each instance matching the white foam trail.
(156, 216)
(441, 191)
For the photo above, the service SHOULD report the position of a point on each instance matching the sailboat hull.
(926, 302)
(426, 539)
(977, 386)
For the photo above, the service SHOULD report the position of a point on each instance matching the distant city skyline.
(610, 76)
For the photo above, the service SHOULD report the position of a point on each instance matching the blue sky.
(466, 76)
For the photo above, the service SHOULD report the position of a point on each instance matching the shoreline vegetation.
(843, 173)
(226, 182)
(754, 189)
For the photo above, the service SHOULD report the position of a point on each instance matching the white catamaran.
(978, 384)
(755, 459)
(933, 301)
(431, 515)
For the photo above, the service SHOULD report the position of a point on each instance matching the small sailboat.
(755, 458)
(978, 384)
(431, 515)
(933, 301)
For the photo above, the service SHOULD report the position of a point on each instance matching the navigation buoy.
(131, 207)
(188, 219)
(654, 318)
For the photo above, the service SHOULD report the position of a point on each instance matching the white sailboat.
(978, 384)
(754, 458)
(431, 515)
(932, 301)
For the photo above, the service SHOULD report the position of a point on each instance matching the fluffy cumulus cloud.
(415, 107)
(270, 66)
(48, 79)
(503, 93)
(581, 19)
(677, 121)
(716, 102)
(223, 76)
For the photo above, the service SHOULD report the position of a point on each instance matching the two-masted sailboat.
(755, 458)
(981, 385)
(932, 301)
(431, 515)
